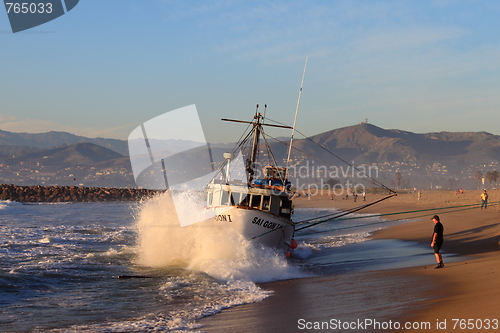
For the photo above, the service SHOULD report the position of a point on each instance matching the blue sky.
(109, 65)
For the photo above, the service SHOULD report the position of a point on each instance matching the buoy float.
(293, 244)
(287, 254)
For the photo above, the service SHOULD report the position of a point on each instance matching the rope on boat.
(334, 216)
(389, 221)
(461, 208)
(329, 215)
(373, 180)
(267, 232)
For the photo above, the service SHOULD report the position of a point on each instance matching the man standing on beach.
(484, 200)
(437, 240)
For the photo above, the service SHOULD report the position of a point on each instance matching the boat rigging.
(259, 205)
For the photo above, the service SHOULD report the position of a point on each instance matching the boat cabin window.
(266, 202)
(256, 199)
(244, 199)
(286, 208)
(275, 205)
(210, 197)
(225, 198)
(234, 197)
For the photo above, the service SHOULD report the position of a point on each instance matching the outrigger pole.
(295, 118)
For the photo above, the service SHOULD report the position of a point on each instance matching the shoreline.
(466, 289)
(469, 289)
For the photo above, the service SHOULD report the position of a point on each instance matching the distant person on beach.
(484, 200)
(419, 195)
(364, 196)
(437, 240)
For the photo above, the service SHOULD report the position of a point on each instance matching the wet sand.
(465, 289)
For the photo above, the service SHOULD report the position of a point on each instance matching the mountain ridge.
(55, 138)
(362, 143)
(82, 153)
(434, 154)
(367, 143)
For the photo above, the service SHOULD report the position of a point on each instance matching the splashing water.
(208, 246)
(59, 264)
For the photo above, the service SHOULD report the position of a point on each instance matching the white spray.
(207, 246)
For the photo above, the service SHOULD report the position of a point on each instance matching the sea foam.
(207, 246)
(4, 204)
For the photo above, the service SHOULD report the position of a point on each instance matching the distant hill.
(23, 142)
(367, 143)
(83, 164)
(79, 154)
(7, 151)
(51, 158)
(56, 139)
(362, 143)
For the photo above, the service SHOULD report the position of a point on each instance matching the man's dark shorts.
(437, 247)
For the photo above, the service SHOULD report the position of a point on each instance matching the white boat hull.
(256, 225)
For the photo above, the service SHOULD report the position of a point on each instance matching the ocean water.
(130, 267)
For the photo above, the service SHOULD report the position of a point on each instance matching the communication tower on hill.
(365, 120)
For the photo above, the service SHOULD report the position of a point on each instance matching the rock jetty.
(39, 193)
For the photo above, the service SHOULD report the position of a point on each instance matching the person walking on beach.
(419, 195)
(484, 200)
(437, 240)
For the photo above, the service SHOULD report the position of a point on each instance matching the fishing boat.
(255, 201)
(259, 206)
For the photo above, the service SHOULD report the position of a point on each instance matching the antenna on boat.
(265, 110)
(295, 118)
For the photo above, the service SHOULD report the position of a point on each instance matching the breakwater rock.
(39, 193)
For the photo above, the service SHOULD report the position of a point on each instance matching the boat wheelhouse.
(259, 208)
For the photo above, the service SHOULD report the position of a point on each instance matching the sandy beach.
(465, 294)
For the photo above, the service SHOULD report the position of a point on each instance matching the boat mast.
(257, 129)
(255, 143)
(295, 118)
